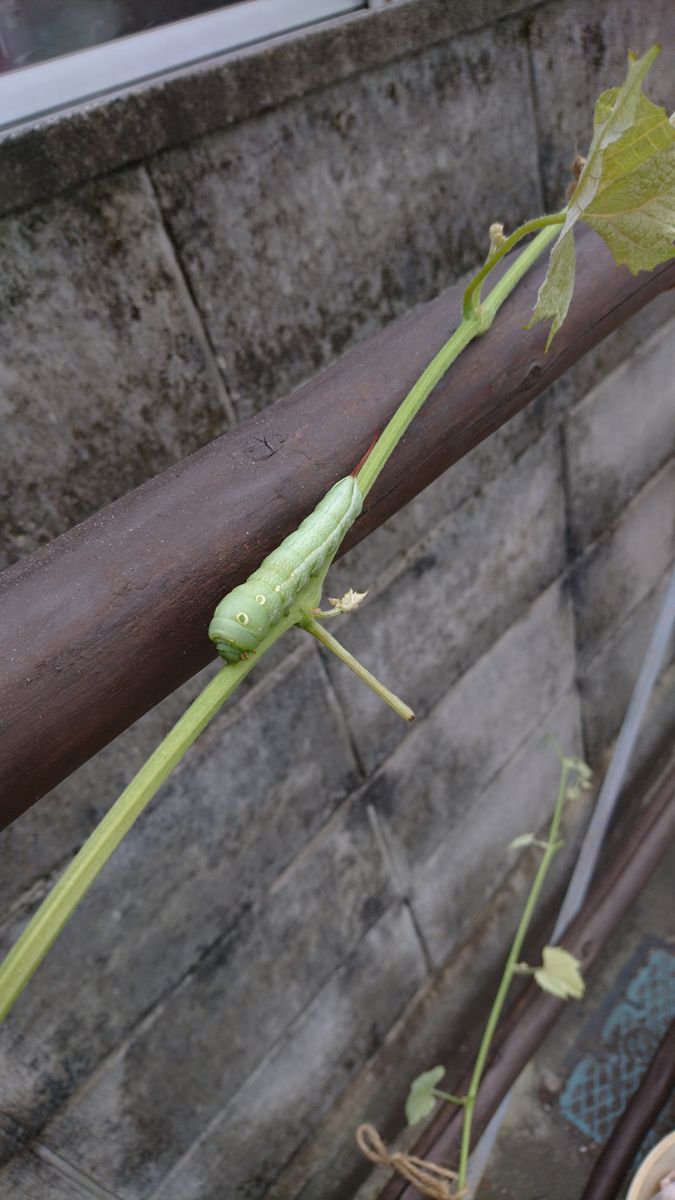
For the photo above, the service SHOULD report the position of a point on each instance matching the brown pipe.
(536, 1012)
(615, 1160)
(100, 625)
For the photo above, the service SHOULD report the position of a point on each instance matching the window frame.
(72, 80)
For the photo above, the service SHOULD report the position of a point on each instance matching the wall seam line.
(73, 1174)
(534, 105)
(571, 557)
(193, 311)
(397, 876)
(391, 866)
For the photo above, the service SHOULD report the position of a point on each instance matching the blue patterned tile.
(618, 1044)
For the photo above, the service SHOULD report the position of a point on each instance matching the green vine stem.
(50, 918)
(477, 321)
(552, 846)
(61, 902)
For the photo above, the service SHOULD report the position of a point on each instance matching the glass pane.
(33, 31)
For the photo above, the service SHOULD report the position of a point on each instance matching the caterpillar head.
(239, 624)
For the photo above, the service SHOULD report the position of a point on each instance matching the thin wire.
(597, 827)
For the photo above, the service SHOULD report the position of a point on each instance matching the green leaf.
(619, 114)
(560, 974)
(636, 214)
(650, 134)
(626, 191)
(421, 1099)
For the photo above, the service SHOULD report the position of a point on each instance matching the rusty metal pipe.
(100, 625)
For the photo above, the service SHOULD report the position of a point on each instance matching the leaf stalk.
(322, 635)
(471, 303)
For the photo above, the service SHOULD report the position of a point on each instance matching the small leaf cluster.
(625, 191)
(581, 778)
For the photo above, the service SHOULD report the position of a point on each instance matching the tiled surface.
(620, 1042)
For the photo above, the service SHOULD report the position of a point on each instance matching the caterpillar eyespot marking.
(248, 613)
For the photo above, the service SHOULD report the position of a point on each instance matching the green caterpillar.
(248, 613)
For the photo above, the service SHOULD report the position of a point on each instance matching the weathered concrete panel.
(627, 561)
(307, 229)
(460, 589)
(453, 885)
(616, 349)
(104, 373)
(621, 434)
(242, 1152)
(228, 822)
(221, 1022)
(578, 50)
(607, 683)
(46, 837)
(29, 1178)
(451, 759)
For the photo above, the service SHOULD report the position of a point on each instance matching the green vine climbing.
(626, 192)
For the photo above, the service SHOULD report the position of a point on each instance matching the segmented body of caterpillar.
(248, 613)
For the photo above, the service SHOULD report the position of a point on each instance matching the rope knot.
(429, 1179)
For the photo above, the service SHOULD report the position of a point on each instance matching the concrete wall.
(310, 912)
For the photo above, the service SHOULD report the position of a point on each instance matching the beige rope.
(429, 1179)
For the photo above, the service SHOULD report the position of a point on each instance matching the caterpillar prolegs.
(248, 613)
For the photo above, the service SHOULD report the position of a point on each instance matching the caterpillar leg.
(331, 643)
(232, 654)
